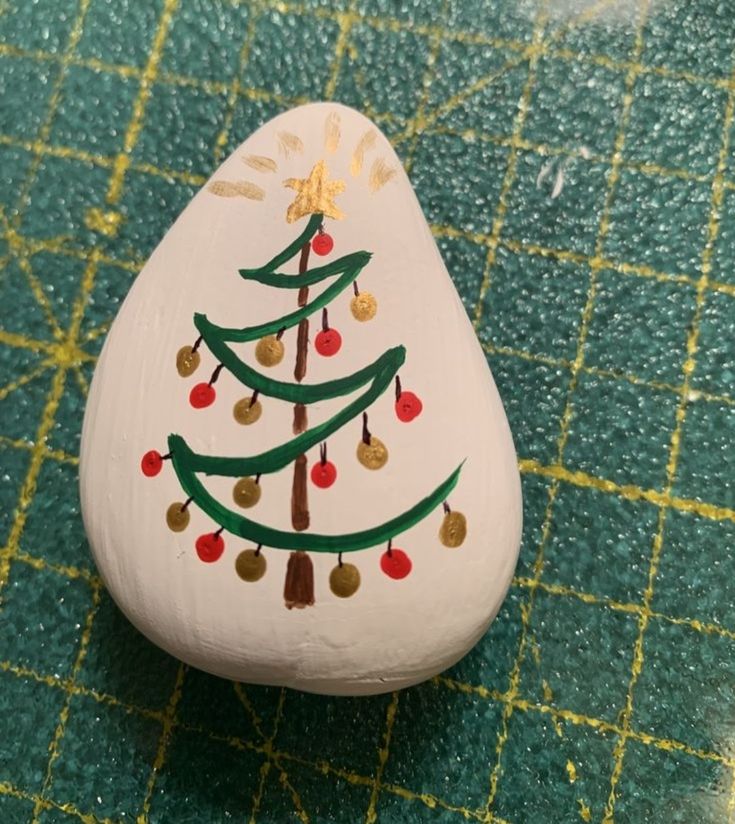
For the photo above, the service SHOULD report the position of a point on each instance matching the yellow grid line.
(8, 789)
(723, 186)
(529, 52)
(233, 93)
(527, 608)
(540, 23)
(148, 78)
(45, 131)
(435, 45)
(345, 21)
(325, 768)
(167, 724)
(713, 225)
(54, 748)
(371, 816)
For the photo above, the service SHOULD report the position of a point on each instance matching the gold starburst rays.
(315, 192)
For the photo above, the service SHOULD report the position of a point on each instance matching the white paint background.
(391, 633)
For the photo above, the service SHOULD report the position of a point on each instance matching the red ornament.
(322, 244)
(151, 463)
(210, 547)
(324, 474)
(328, 342)
(202, 395)
(395, 563)
(408, 406)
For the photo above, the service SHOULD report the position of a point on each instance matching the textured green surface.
(605, 689)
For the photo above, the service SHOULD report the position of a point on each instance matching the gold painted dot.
(344, 580)
(187, 361)
(373, 455)
(246, 412)
(453, 530)
(363, 306)
(177, 517)
(246, 492)
(269, 351)
(250, 565)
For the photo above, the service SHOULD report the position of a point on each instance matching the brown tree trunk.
(299, 489)
(298, 590)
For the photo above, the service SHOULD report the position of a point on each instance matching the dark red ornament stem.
(339, 559)
(257, 551)
(398, 387)
(389, 551)
(215, 374)
(185, 505)
(279, 333)
(167, 456)
(447, 510)
(365, 430)
(355, 288)
(254, 397)
(219, 532)
(257, 478)
(322, 453)
(325, 320)
(197, 344)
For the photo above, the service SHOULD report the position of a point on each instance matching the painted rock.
(296, 469)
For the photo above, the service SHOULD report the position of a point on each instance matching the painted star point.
(315, 194)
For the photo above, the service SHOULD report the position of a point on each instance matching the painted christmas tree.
(315, 200)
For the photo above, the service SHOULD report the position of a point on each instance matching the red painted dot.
(324, 474)
(328, 342)
(151, 463)
(395, 564)
(322, 244)
(202, 395)
(210, 547)
(408, 406)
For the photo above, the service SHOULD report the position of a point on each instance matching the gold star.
(315, 194)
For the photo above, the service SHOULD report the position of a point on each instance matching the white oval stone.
(390, 633)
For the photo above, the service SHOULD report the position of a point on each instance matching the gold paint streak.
(371, 815)
(169, 722)
(380, 174)
(148, 78)
(64, 714)
(547, 691)
(365, 144)
(260, 163)
(332, 132)
(289, 144)
(571, 772)
(584, 811)
(239, 188)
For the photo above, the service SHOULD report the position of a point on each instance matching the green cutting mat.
(576, 162)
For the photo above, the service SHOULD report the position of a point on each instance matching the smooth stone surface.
(392, 632)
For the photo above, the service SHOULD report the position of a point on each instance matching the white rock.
(392, 632)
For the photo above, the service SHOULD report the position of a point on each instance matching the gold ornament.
(246, 492)
(373, 455)
(453, 530)
(269, 351)
(363, 307)
(250, 565)
(246, 412)
(177, 517)
(315, 194)
(344, 580)
(187, 361)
